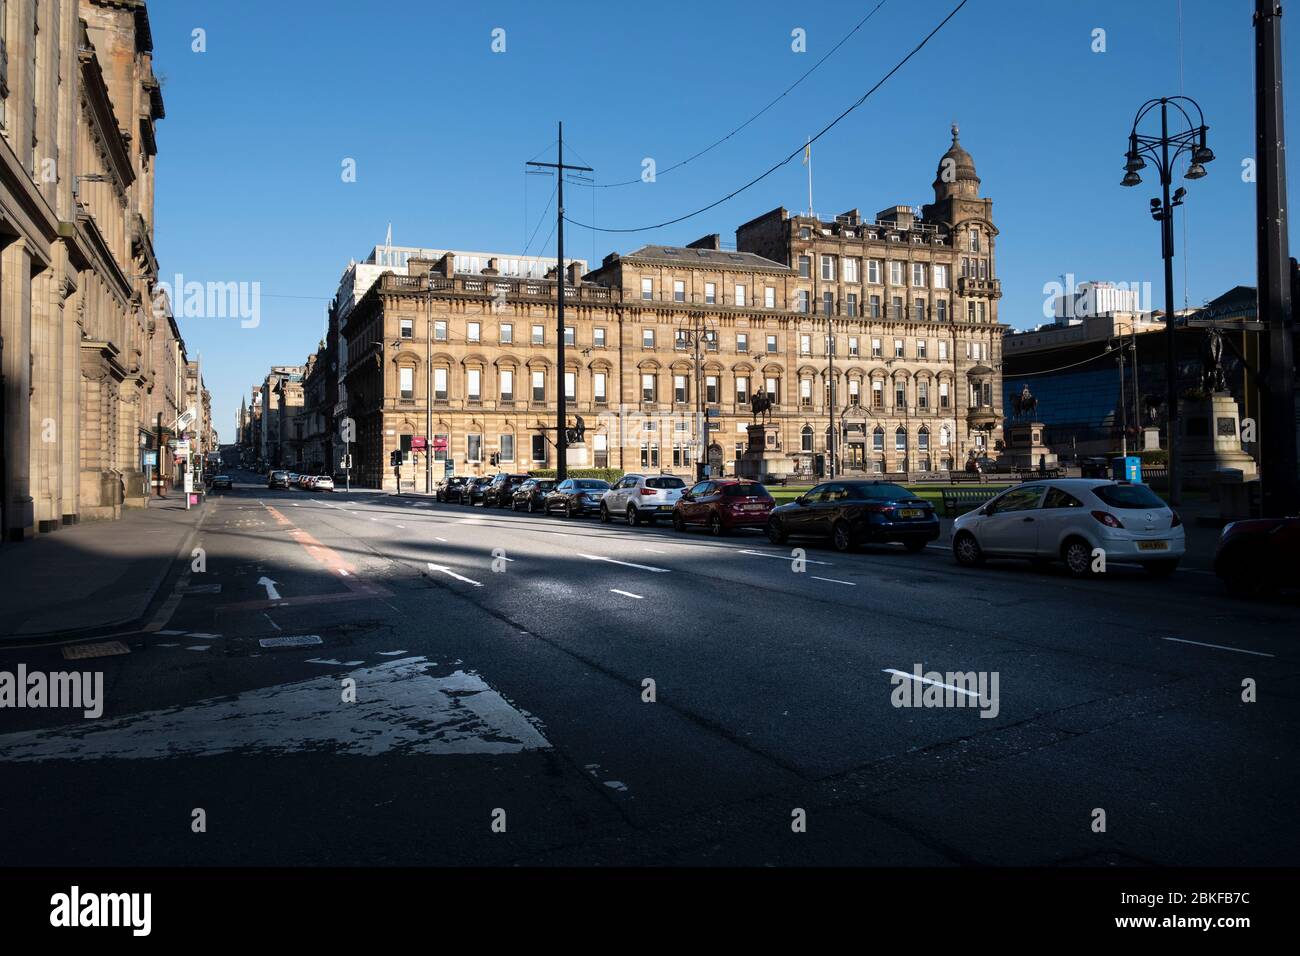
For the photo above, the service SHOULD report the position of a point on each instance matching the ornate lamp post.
(1164, 150)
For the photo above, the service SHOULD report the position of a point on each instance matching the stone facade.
(909, 296)
(78, 104)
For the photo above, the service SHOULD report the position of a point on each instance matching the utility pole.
(561, 410)
(1277, 433)
(428, 387)
(830, 392)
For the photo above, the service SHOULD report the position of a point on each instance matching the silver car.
(642, 498)
(1075, 520)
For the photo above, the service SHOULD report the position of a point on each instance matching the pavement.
(373, 679)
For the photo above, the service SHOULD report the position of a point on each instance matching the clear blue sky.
(258, 127)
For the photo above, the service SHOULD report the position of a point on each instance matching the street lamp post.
(1190, 140)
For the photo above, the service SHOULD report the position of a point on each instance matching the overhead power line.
(796, 151)
(678, 165)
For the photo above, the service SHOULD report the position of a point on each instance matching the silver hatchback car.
(642, 498)
(1074, 520)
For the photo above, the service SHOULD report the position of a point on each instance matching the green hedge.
(605, 474)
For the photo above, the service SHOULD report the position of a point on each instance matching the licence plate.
(665, 507)
(1153, 545)
(911, 513)
(753, 507)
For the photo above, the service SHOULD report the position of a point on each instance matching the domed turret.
(956, 174)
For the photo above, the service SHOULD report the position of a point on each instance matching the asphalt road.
(471, 687)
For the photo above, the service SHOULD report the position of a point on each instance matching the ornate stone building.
(908, 299)
(78, 104)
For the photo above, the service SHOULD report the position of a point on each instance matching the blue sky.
(249, 184)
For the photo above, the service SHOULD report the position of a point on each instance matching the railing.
(493, 285)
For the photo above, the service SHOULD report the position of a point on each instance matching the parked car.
(1068, 519)
(324, 483)
(722, 505)
(500, 491)
(278, 479)
(449, 490)
(852, 512)
(576, 496)
(222, 481)
(472, 492)
(531, 495)
(1258, 556)
(639, 498)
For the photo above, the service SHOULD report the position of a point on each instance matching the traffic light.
(395, 458)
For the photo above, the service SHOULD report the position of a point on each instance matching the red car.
(1258, 555)
(722, 505)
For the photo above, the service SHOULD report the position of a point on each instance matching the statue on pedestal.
(1212, 378)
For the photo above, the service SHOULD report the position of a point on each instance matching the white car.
(1071, 520)
(323, 483)
(639, 498)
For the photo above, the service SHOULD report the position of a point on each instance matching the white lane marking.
(927, 680)
(342, 572)
(450, 573)
(401, 707)
(390, 653)
(1219, 647)
(298, 640)
(294, 503)
(330, 660)
(272, 623)
(402, 526)
(625, 593)
(782, 557)
(436, 538)
(199, 647)
(654, 550)
(202, 636)
(626, 564)
(833, 581)
(271, 593)
(170, 633)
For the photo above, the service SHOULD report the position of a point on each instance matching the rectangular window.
(922, 395)
(539, 448)
(853, 345)
(740, 295)
(941, 310)
(598, 387)
(918, 310)
(507, 445)
(570, 335)
(598, 337)
(828, 268)
(439, 331)
(896, 308)
(773, 390)
(711, 389)
(921, 345)
(873, 271)
(408, 330)
(805, 267)
(647, 289)
(851, 304)
(851, 270)
(710, 293)
(898, 348)
(943, 394)
(918, 275)
(771, 345)
(507, 377)
(801, 301)
(647, 387)
(440, 454)
(940, 276)
(507, 333)
(679, 290)
(805, 391)
(473, 447)
(828, 303)
(680, 340)
(875, 306)
(679, 389)
(853, 391)
(711, 340)
(647, 338)
(974, 240)
(895, 273)
(805, 345)
(472, 331)
(539, 335)
(440, 384)
(877, 394)
(876, 348)
(943, 350)
(900, 395)
(742, 389)
(571, 386)
(406, 382)
(473, 384)
(742, 342)
(769, 297)
(970, 311)
(539, 386)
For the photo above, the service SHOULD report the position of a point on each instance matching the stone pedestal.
(764, 458)
(1211, 438)
(575, 456)
(1025, 447)
(1151, 439)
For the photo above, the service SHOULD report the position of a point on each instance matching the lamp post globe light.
(1164, 150)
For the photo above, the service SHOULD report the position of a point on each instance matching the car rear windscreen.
(885, 492)
(664, 483)
(1128, 496)
(592, 484)
(744, 491)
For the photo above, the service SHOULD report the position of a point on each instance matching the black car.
(850, 513)
(222, 481)
(278, 479)
(531, 495)
(472, 492)
(500, 493)
(449, 490)
(576, 496)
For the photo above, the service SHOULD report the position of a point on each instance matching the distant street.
(500, 665)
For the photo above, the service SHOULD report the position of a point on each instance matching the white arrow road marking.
(1218, 647)
(343, 572)
(928, 680)
(450, 573)
(832, 581)
(271, 593)
(782, 557)
(625, 593)
(400, 707)
(626, 564)
(654, 550)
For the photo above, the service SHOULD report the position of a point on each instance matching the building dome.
(956, 172)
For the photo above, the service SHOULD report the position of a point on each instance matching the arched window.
(878, 439)
(900, 439)
(945, 437)
(805, 438)
(923, 438)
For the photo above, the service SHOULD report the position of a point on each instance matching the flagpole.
(807, 159)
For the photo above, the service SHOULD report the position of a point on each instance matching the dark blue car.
(851, 512)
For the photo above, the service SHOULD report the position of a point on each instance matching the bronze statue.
(761, 405)
(1024, 404)
(1212, 378)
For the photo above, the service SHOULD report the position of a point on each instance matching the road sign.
(182, 446)
(151, 459)
(346, 463)
(449, 466)
(713, 413)
(712, 426)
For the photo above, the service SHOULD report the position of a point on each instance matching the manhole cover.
(80, 652)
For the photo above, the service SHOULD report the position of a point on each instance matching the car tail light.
(1175, 521)
(1108, 519)
(648, 491)
(880, 509)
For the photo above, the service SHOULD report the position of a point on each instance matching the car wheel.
(569, 511)
(841, 536)
(531, 506)
(678, 523)
(1077, 555)
(775, 532)
(914, 545)
(967, 550)
(1161, 569)
(604, 514)
(633, 517)
(715, 525)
